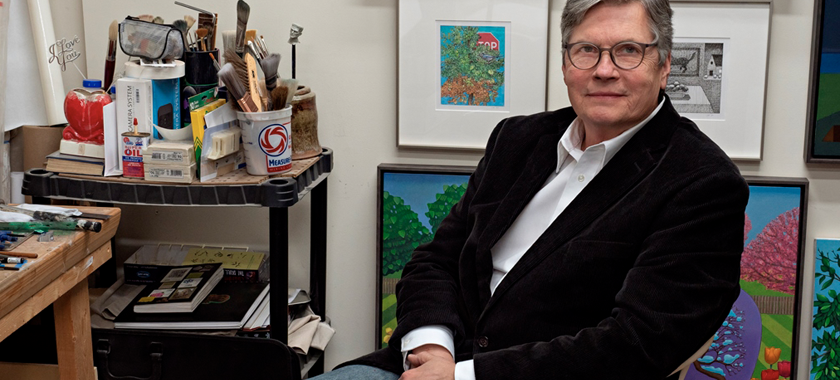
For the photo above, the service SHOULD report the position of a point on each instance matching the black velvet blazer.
(630, 280)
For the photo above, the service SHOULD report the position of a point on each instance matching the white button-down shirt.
(575, 169)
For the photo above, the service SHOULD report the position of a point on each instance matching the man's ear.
(666, 69)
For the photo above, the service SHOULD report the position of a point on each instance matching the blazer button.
(483, 342)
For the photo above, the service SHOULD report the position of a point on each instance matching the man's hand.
(430, 366)
(433, 349)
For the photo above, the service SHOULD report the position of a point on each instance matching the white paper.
(112, 140)
(24, 97)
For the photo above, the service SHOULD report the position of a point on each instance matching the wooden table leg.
(72, 334)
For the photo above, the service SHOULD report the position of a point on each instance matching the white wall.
(348, 56)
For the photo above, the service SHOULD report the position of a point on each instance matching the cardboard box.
(38, 142)
(176, 153)
(169, 173)
(134, 105)
(166, 104)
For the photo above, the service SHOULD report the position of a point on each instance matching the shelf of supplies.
(278, 193)
(262, 191)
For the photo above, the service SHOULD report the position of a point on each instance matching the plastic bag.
(150, 41)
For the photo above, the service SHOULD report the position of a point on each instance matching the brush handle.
(240, 38)
(110, 62)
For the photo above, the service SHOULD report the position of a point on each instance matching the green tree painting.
(472, 73)
(403, 230)
(401, 233)
(825, 337)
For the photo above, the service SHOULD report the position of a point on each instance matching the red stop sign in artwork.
(485, 38)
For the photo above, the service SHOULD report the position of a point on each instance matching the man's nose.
(605, 67)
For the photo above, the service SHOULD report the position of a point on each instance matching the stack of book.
(58, 162)
(228, 307)
(180, 290)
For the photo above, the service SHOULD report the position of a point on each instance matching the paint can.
(132, 153)
(267, 137)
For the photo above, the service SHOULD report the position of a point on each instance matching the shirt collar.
(570, 142)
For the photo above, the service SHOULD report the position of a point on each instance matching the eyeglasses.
(626, 55)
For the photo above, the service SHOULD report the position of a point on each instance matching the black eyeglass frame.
(610, 50)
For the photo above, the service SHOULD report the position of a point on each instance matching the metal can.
(132, 153)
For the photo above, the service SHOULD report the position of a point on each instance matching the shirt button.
(581, 178)
(483, 342)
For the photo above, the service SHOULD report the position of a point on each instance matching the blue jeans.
(357, 372)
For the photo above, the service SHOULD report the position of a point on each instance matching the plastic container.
(83, 110)
(267, 137)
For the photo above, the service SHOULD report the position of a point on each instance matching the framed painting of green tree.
(822, 141)
(412, 201)
(825, 332)
(466, 65)
(758, 339)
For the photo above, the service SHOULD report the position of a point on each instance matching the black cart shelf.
(278, 194)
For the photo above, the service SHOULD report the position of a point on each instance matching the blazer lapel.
(627, 168)
(539, 165)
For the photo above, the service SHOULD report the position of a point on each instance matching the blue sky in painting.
(418, 190)
(768, 202)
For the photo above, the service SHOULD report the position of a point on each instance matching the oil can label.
(132, 154)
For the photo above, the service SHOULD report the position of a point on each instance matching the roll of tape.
(133, 69)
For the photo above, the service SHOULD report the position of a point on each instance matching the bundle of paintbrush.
(268, 93)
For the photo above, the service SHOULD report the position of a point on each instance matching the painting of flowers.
(757, 340)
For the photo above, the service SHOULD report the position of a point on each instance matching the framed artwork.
(822, 142)
(825, 332)
(727, 104)
(758, 338)
(412, 201)
(466, 65)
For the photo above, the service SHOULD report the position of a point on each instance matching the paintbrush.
(111, 57)
(238, 64)
(182, 26)
(278, 97)
(200, 35)
(229, 40)
(250, 35)
(190, 21)
(292, 84)
(263, 46)
(235, 88)
(269, 67)
(253, 81)
(243, 11)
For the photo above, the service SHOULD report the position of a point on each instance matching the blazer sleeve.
(428, 292)
(677, 293)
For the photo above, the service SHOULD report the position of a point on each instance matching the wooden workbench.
(59, 276)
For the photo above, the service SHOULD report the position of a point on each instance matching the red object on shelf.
(83, 110)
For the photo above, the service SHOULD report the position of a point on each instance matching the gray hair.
(659, 20)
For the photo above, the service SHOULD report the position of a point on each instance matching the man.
(600, 241)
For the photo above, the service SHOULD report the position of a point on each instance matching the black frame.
(381, 170)
(814, 87)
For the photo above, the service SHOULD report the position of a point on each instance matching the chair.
(683, 368)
